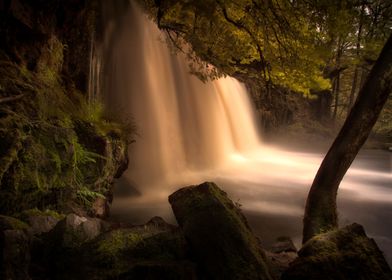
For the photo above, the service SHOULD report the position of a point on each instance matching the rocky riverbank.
(213, 241)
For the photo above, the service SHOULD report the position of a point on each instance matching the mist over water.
(190, 132)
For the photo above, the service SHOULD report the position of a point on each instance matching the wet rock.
(7, 222)
(218, 234)
(280, 262)
(156, 240)
(341, 254)
(74, 230)
(41, 224)
(280, 255)
(283, 244)
(14, 249)
(155, 250)
(40, 221)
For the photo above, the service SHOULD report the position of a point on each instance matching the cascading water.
(192, 132)
(184, 124)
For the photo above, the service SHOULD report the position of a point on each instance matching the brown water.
(191, 132)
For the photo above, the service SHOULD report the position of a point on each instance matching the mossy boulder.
(155, 250)
(40, 221)
(139, 249)
(218, 234)
(11, 223)
(341, 254)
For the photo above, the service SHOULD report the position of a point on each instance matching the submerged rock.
(218, 234)
(341, 254)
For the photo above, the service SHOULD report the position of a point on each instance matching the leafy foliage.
(268, 40)
(303, 46)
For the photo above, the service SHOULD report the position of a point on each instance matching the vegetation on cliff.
(56, 150)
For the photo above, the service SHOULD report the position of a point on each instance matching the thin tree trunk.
(337, 80)
(11, 98)
(353, 89)
(337, 90)
(320, 211)
(358, 47)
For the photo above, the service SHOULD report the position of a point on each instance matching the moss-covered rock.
(11, 223)
(155, 250)
(120, 250)
(40, 221)
(218, 234)
(341, 254)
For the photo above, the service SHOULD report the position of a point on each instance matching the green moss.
(117, 242)
(339, 254)
(45, 161)
(14, 223)
(213, 223)
(50, 63)
(87, 197)
(37, 212)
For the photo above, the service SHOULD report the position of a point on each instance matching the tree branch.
(11, 98)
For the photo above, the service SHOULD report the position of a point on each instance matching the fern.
(87, 196)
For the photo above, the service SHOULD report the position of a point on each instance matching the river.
(271, 184)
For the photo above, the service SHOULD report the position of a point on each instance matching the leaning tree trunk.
(320, 212)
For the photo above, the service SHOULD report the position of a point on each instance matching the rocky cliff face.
(56, 149)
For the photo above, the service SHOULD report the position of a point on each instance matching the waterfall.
(191, 132)
(94, 79)
(183, 123)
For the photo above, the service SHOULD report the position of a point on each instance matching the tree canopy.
(296, 44)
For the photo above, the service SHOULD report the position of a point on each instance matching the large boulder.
(218, 234)
(155, 250)
(344, 254)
